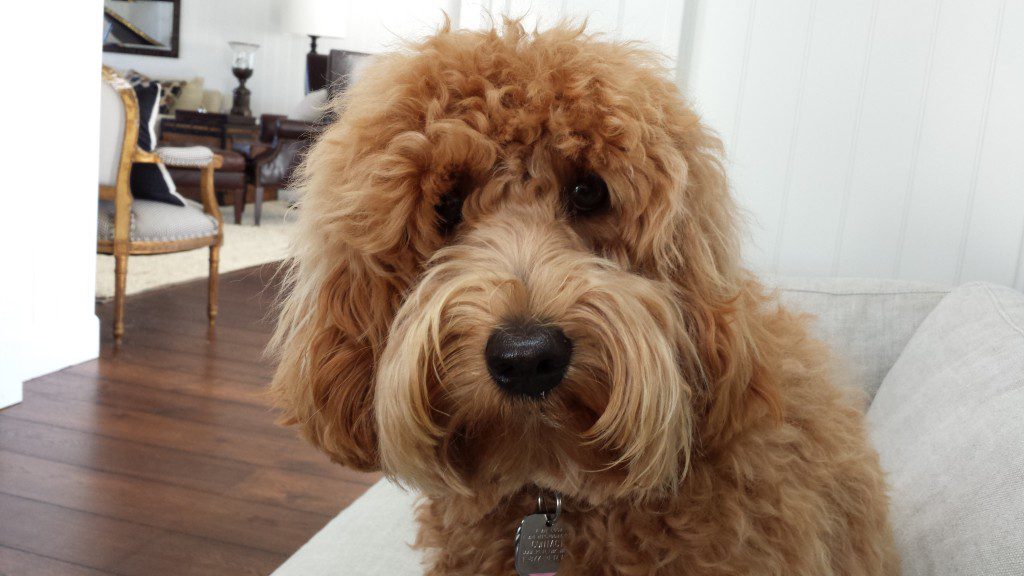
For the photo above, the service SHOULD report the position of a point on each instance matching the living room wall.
(278, 82)
(872, 139)
(47, 314)
(656, 23)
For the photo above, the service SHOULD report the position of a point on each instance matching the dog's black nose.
(528, 359)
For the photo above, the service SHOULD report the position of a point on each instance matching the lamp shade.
(326, 18)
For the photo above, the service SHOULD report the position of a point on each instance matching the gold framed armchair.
(128, 226)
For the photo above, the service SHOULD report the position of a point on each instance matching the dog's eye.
(449, 206)
(587, 195)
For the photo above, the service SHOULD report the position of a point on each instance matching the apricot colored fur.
(698, 430)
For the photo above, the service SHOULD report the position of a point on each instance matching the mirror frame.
(175, 32)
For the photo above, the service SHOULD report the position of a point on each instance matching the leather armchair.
(229, 179)
(275, 167)
(288, 138)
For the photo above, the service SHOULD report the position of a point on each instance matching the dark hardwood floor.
(163, 457)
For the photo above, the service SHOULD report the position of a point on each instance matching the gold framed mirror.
(145, 27)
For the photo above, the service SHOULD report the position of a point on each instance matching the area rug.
(244, 246)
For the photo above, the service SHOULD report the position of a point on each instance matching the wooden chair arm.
(208, 194)
(143, 157)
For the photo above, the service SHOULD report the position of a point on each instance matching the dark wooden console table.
(213, 130)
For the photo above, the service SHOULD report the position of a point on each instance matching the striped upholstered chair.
(128, 226)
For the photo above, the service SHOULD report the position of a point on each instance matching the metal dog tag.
(539, 544)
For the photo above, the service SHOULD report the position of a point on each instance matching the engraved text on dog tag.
(539, 546)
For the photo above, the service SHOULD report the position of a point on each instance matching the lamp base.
(240, 103)
(240, 120)
(316, 72)
(316, 68)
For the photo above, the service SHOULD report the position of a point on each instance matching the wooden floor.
(163, 457)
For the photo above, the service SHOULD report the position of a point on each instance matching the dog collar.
(539, 543)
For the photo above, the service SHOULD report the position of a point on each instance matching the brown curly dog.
(517, 274)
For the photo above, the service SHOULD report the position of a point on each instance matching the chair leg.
(214, 281)
(120, 281)
(258, 205)
(238, 196)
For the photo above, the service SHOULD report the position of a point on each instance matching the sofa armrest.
(268, 127)
(948, 428)
(296, 130)
(288, 139)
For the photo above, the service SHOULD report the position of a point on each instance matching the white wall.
(656, 22)
(278, 81)
(866, 138)
(871, 138)
(47, 318)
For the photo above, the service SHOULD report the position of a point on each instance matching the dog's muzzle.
(528, 359)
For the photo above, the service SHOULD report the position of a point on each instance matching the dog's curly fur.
(697, 430)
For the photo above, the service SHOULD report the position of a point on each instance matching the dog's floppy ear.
(721, 299)
(349, 265)
(331, 330)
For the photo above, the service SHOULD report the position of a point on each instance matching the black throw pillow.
(148, 95)
(151, 181)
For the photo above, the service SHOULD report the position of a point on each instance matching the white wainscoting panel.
(655, 22)
(868, 137)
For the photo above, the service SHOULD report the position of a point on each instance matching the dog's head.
(517, 264)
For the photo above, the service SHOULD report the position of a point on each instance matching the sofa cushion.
(170, 89)
(158, 222)
(191, 97)
(311, 108)
(213, 101)
(948, 422)
(866, 322)
(232, 161)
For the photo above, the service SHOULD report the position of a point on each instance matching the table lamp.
(316, 19)
(243, 57)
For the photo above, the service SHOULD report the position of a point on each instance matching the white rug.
(244, 246)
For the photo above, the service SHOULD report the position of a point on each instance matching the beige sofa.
(943, 372)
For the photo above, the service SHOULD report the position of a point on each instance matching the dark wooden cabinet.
(213, 130)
